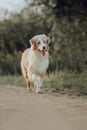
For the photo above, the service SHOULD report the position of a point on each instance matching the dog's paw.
(29, 90)
(39, 90)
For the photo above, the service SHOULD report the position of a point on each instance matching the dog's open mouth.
(42, 52)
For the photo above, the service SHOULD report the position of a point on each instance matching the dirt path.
(20, 110)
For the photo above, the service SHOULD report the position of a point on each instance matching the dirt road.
(21, 110)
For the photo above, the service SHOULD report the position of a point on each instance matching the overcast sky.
(11, 6)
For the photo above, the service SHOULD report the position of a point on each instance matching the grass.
(67, 83)
(13, 80)
(61, 82)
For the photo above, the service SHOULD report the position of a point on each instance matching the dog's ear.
(32, 41)
(48, 40)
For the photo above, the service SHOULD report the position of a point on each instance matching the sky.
(11, 6)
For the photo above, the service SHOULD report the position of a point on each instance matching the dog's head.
(40, 43)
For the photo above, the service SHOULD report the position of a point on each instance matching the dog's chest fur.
(38, 63)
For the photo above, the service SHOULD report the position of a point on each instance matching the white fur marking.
(38, 81)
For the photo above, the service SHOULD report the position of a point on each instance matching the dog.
(35, 61)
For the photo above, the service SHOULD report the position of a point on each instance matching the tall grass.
(12, 80)
(67, 83)
(61, 82)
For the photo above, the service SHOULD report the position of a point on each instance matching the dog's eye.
(47, 42)
(38, 42)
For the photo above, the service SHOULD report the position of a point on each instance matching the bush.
(69, 48)
(10, 65)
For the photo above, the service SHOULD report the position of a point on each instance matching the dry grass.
(61, 82)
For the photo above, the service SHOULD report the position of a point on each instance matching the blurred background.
(64, 21)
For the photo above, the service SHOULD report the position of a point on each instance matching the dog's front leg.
(39, 85)
(38, 81)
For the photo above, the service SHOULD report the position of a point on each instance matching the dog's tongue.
(43, 52)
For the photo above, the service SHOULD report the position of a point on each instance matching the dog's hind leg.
(25, 74)
(27, 81)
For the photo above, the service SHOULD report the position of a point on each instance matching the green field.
(61, 83)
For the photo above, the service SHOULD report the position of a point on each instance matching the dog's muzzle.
(43, 51)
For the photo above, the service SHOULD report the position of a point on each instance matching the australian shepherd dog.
(35, 61)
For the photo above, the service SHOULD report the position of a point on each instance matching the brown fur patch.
(39, 75)
(35, 47)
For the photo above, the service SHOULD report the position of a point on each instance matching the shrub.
(10, 65)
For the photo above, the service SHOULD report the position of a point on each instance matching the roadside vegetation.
(62, 83)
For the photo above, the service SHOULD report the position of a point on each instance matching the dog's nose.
(43, 47)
